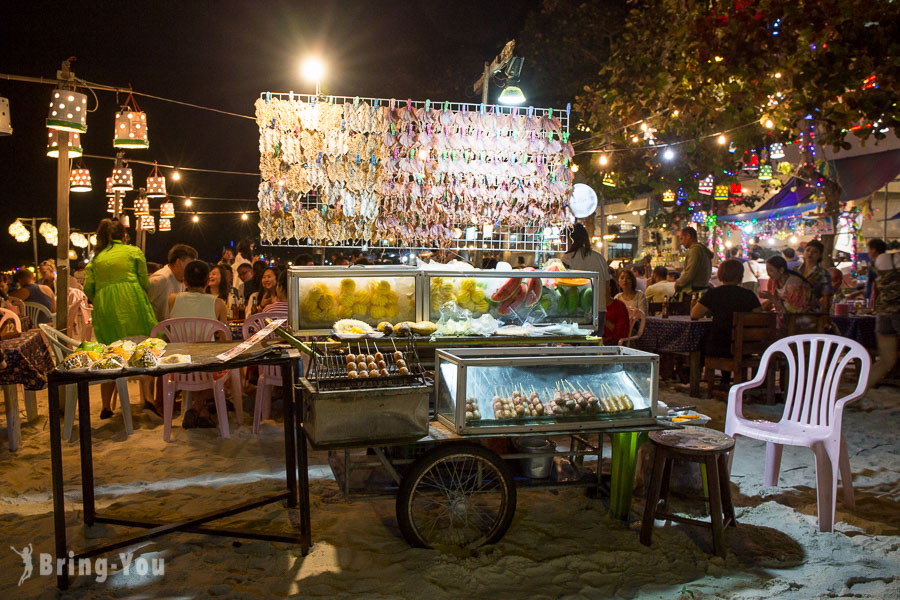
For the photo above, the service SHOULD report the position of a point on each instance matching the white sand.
(560, 545)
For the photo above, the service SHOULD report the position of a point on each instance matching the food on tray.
(352, 327)
(122, 347)
(385, 327)
(79, 360)
(402, 329)
(573, 282)
(110, 362)
(470, 296)
(175, 359)
(320, 304)
(146, 357)
(423, 327)
(533, 292)
(513, 302)
(472, 412)
(156, 343)
(89, 346)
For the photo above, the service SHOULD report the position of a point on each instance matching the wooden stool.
(707, 447)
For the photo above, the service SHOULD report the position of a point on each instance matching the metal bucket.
(538, 467)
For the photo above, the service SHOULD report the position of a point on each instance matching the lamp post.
(503, 61)
(313, 69)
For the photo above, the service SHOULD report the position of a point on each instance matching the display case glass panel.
(545, 388)
(514, 297)
(319, 296)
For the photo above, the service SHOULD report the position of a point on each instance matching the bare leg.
(887, 357)
(106, 392)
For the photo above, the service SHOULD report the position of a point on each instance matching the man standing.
(659, 289)
(167, 280)
(697, 267)
(29, 291)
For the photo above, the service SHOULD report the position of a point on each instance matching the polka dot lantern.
(165, 224)
(75, 149)
(131, 129)
(167, 210)
(68, 111)
(80, 180)
(122, 180)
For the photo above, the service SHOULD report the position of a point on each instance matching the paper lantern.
(80, 180)
(148, 223)
(785, 168)
(75, 149)
(93, 239)
(706, 185)
(609, 180)
(5, 123)
(122, 180)
(721, 192)
(68, 111)
(131, 129)
(111, 205)
(78, 239)
(50, 233)
(165, 224)
(166, 211)
(125, 220)
(668, 196)
(19, 231)
(141, 205)
(156, 184)
(736, 189)
(765, 173)
(776, 150)
(752, 163)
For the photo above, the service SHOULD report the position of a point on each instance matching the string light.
(603, 160)
(176, 176)
(668, 154)
(721, 139)
(187, 202)
(195, 219)
(244, 216)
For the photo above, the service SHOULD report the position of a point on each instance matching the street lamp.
(512, 67)
(312, 69)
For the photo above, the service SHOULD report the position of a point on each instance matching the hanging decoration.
(141, 204)
(785, 168)
(156, 184)
(80, 179)
(668, 196)
(68, 111)
(125, 220)
(165, 224)
(148, 223)
(706, 185)
(111, 205)
(721, 192)
(609, 179)
(19, 231)
(344, 169)
(50, 233)
(752, 163)
(166, 211)
(5, 121)
(79, 240)
(736, 189)
(75, 149)
(765, 172)
(122, 179)
(131, 126)
(682, 194)
(776, 150)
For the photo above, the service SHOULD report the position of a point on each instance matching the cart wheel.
(459, 495)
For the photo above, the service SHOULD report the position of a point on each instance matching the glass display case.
(319, 296)
(515, 297)
(515, 390)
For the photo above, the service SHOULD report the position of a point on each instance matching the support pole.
(62, 225)
(34, 233)
(486, 83)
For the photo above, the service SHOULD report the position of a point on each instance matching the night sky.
(218, 54)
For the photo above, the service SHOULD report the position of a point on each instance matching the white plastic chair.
(191, 329)
(635, 317)
(269, 376)
(80, 309)
(8, 315)
(62, 346)
(35, 311)
(812, 412)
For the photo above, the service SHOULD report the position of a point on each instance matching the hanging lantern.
(682, 194)
(721, 192)
(765, 173)
(93, 239)
(78, 239)
(125, 220)
(68, 111)
(156, 184)
(131, 126)
(19, 231)
(148, 223)
(165, 224)
(75, 149)
(608, 179)
(141, 205)
(50, 233)
(752, 163)
(736, 189)
(668, 196)
(706, 185)
(5, 123)
(776, 150)
(122, 180)
(111, 205)
(785, 168)
(166, 211)
(80, 180)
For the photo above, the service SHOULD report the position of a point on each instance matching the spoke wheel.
(457, 495)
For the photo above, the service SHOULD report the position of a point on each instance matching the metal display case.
(515, 297)
(319, 296)
(516, 390)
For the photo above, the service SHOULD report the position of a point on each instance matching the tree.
(691, 69)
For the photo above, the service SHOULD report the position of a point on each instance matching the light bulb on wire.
(244, 216)
(195, 219)
(187, 202)
(721, 139)
(603, 160)
(176, 176)
(668, 154)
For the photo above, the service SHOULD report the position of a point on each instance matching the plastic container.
(538, 467)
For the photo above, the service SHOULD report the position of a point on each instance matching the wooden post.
(34, 233)
(62, 226)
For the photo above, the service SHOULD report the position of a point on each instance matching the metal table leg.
(696, 368)
(303, 465)
(290, 450)
(59, 507)
(87, 457)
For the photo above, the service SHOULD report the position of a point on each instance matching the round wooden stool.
(707, 447)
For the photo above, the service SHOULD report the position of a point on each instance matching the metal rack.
(328, 371)
(528, 239)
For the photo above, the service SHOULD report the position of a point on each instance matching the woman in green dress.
(116, 283)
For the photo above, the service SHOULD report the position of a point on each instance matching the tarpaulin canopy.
(859, 176)
(895, 217)
(793, 193)
(762, 215)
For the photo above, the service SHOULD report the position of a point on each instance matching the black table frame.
(297, 492)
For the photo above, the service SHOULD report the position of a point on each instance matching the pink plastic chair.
(269, 376)
(635, 317)
(8, 315)
(196, 330)
(812, 412)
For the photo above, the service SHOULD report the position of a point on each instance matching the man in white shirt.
(168, 280)
(660, 289)
(639, 273)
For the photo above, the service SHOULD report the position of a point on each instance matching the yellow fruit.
(481, 306)
(345, 311)
(383, 287)
(463, 298)
(467, 284)
(348, 286)
(378, 300)
(326, 302)
(377, 312)
(391, 311)
(477, 294)
(362, 297)
(391, 297)
(360, 309)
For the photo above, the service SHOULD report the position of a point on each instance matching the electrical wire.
(666, 145)
(180, 168)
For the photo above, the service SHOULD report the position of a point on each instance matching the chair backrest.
(18, 305)
(816, 363)
(35, 311)
(752, 333)
(79, 313)
(191, 329)
(801, 323)
(636, 318)
(61, 344)
(257, 321)
(8, 315)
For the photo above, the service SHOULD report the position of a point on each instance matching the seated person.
(29, 291)
(844, 287)
(630, 295)
(194, 301)
(280, 304)
(618, 321)
(660, 287)
(722, 302)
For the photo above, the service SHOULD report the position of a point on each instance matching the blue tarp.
(785, 197)
(762, 215)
